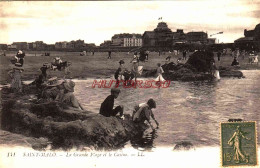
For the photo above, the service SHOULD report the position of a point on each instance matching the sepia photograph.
(109, 84)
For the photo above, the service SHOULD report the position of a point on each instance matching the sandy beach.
(97, 65)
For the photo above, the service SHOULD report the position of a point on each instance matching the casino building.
(251, 41)
(163, 37)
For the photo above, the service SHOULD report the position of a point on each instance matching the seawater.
(186, 111)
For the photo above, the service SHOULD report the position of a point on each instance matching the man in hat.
(41, 79)
(106, 108)
(52, 89)
(143, 112)
(44, 70)
(67, 97)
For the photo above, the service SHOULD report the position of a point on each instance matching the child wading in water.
(143, 112)
(159, 72)
(15, 75)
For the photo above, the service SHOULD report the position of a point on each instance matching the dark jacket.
(106, 108)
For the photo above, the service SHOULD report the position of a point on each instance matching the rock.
(183, 145)
(8, 138)
(169, 67)
(67, 128)
(149, 73)
(201, 60)
(231, 73)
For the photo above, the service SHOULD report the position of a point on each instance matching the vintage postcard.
(111, 84)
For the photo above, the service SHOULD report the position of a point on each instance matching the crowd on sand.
(62, 92)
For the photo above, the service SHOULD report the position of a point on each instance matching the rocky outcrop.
(197, 68)
(230, 72)
(66, 128)
(201, 60)
(11, 139)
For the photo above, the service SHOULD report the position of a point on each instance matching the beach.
(97, 65)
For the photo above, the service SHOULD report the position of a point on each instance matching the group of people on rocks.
(62, 91)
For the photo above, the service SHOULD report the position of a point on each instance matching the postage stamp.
(238, 144)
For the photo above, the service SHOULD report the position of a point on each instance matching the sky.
(96, 21)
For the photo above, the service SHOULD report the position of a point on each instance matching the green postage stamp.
(238, 144)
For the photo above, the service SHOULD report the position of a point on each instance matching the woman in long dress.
(15, 74)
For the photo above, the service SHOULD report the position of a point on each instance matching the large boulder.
(201, 60)
(66, 128)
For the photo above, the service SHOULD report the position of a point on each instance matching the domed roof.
(162, 26)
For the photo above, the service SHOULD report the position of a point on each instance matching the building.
(3, 47)
(211, 40)
(90, 45)
(149, 39)
(251, 41)
(50, 47)
(197, 37)
(61, 45)
(126, 40)
(58, 45)
(106, 43)
(78, 44)
(20, 45)
(38, 45)
(179, 36)
(12, 47)
(161, 36)
(30, 46)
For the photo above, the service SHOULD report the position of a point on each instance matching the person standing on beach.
(168, 59)
(147, 54)
(134, 62)
(135, 69)
(184, 54)
(219, 54)
(109, 54)
(107, 106)
(15, 74)
(143, 112)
